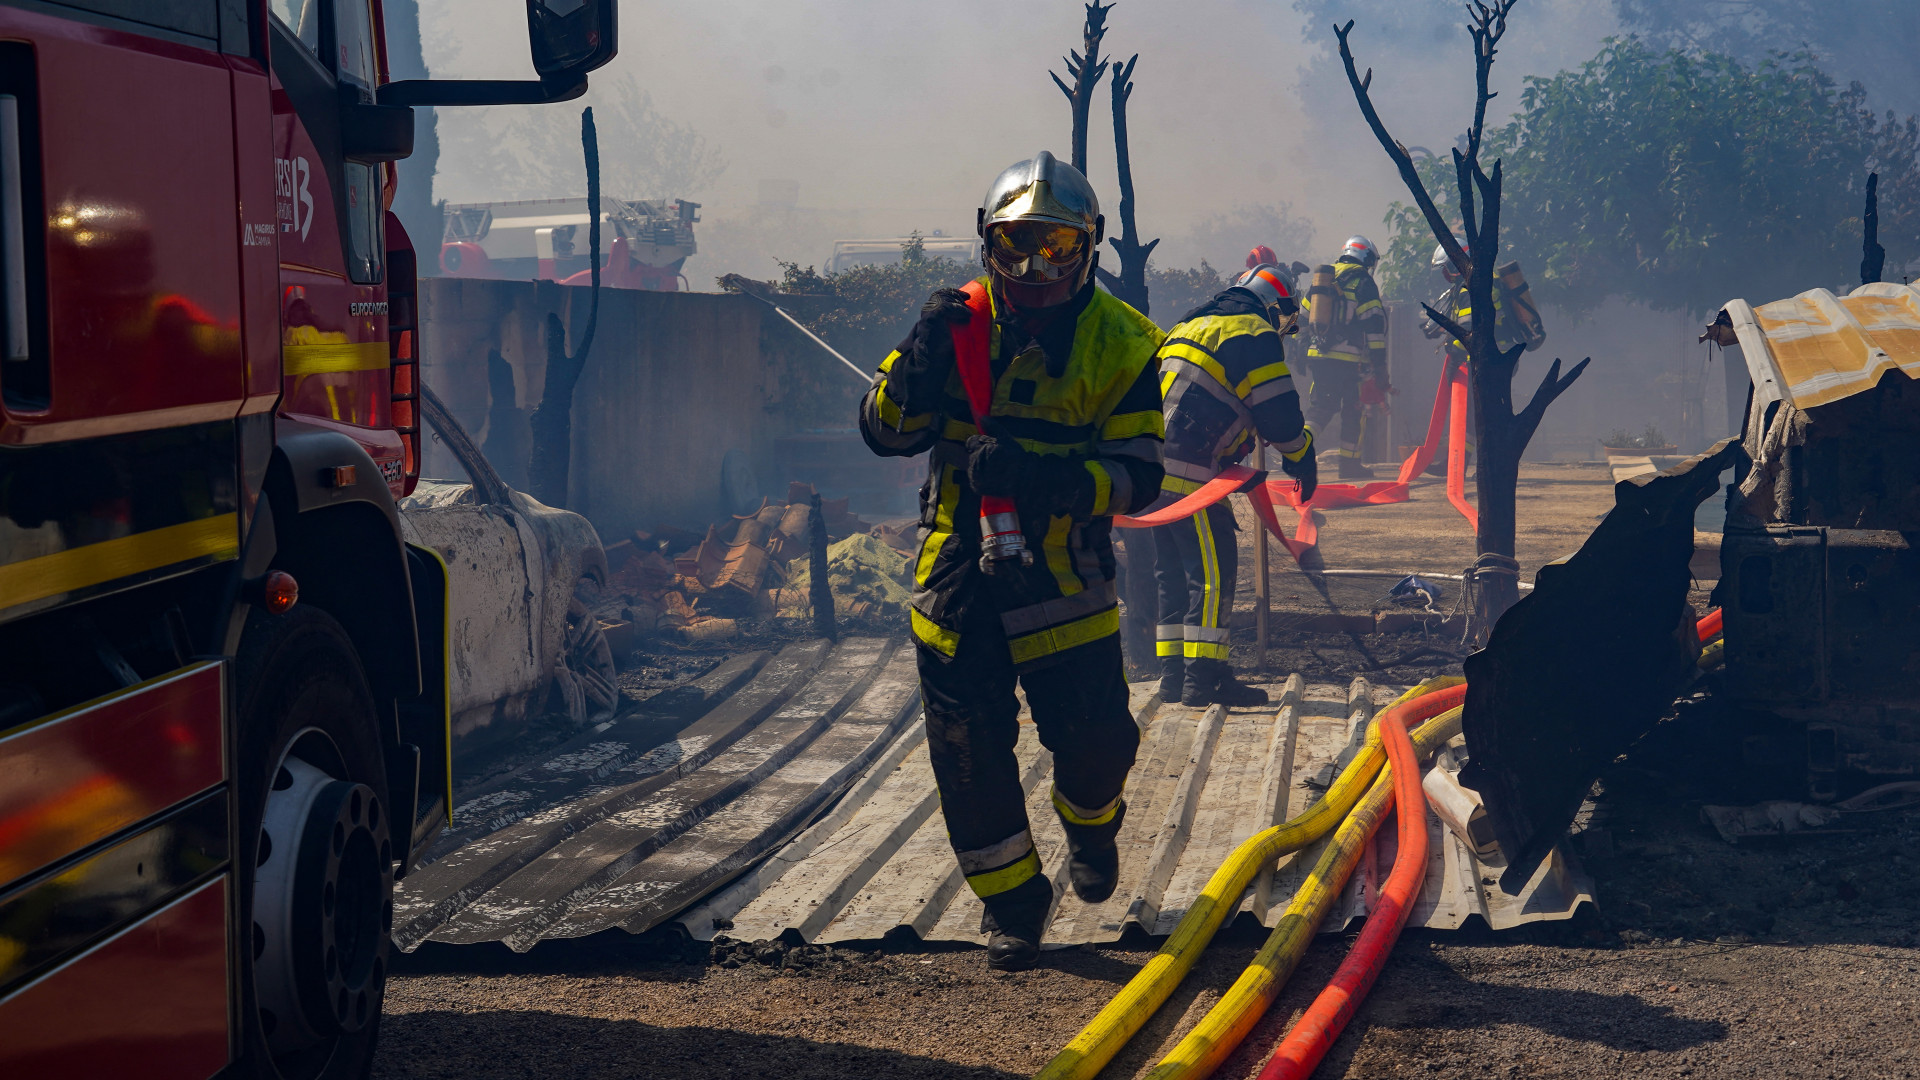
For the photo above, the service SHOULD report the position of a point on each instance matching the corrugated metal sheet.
(1816, 348)
(1204, 782)
(811, 775)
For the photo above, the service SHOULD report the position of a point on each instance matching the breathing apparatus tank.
(1533, 330)
(1322, 296)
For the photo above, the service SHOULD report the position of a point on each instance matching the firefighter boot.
(1094, 859)
(1351, 469)
(1013, 922)
(1173, 672)
(1211, 682)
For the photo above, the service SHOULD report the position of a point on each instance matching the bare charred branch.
(1489, 26)
(1549, 390)
(1130, 284)
(1502, 434)
(1454, 329)
(1086, 69)
(551, 424)
(1401, 159)
(1873, 257)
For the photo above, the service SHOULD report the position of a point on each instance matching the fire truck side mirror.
(571, 37)
(373, 133)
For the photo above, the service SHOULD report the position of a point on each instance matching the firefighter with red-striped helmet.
(1223, 372)
(1348, 326)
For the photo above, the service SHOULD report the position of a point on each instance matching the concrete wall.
(673, 381)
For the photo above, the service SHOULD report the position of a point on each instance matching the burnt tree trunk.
(1085, 67)
(1130, 284)
(1873, 257)
(552, 422)
(1502, 433)
(820, 589)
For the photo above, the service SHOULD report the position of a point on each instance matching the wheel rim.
(323, 908)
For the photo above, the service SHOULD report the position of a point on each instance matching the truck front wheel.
(317, 899)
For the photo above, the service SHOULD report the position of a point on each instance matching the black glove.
(1048, 483)
(918, 379)
(1306, 470)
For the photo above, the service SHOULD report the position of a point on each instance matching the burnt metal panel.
(1872, 616)
(1771, 586)
(1586, 663)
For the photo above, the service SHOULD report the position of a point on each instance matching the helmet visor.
(1015, 242)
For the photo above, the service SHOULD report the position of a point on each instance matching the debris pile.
(698, 587)
(778, 953)
(869, 578)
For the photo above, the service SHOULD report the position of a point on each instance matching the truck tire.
(316, 884)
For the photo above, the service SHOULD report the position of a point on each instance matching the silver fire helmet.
(1041, 227)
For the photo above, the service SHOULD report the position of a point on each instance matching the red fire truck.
(223, 674)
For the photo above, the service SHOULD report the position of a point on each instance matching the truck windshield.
(303, 18)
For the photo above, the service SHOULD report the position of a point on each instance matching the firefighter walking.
(1347, 325)
(1073, 438)
(1224, 376)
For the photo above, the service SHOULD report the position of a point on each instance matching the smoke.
(875, 118)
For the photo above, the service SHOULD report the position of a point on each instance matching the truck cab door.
(127, 130)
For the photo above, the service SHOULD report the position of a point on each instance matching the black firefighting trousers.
(1194, 568)
(1336, 391)
(1080, 710)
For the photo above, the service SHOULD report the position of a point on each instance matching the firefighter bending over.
(1223, 372)
(1073, 438)
(1348, 325)
(1516, 321)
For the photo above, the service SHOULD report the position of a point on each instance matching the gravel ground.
(1442, 1007)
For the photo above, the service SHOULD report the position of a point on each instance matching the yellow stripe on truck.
(96, 564)
(331, 358)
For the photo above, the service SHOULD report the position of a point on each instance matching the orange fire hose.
(1314, 1033)
(1457, 446)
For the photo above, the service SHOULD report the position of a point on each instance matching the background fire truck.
(223, 672)
(546, 239)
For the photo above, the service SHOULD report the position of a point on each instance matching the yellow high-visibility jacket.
(1359, 319)
(1103, 409)
(1224, 376)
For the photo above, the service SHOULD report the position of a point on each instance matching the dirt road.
(1441, 1008)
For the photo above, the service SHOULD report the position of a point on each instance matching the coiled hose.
(1150, 987)
(1227, 1023)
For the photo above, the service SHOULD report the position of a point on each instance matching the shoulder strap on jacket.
(972, 346)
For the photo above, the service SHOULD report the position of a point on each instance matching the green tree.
(1177, 292)
(1681, 180)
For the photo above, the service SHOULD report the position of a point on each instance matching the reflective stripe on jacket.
(1103, 409)
(1359, 321)
(1224, 375)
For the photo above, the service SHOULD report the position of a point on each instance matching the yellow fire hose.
(1150, 987)
(1227, 1023)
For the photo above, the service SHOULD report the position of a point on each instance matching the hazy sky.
(900, 111)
